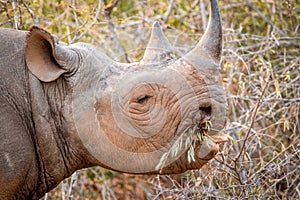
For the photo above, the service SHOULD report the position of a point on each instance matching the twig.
(64, 189)
(274, 158)
(232, 5)
(252, 122)
(16, 15)
(106, 187)
(29, 10)
(9, 19)
(266, 99)
(97, 12)
(250, 5)
(139, 22)
(203, 14)
(107, 11)
(75, 13)
(169, 10)
(72, 186)
(240, 175)
(109, 7)
(95, 20)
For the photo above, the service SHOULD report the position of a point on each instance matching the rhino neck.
(59, 150)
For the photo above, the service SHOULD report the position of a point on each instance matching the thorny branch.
(72, 185)
(109, 7)
(169, 10)
(250, 5)
(16, 14)
(203, 14)
(88, 27)
(252, 121)
(107, 12)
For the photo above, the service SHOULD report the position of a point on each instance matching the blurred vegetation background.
(261, 75)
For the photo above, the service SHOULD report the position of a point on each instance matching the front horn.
(211, 42)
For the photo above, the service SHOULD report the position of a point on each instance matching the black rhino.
(67, 107)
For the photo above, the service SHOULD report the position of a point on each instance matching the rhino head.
(129, 116)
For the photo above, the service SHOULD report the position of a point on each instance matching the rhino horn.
(159, 48)
(211, 42)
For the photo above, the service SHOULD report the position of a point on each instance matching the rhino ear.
(44, 57)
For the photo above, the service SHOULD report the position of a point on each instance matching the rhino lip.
(192, 134)
(220, 138)
(203, 129)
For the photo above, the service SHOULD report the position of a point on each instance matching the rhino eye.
(143, 99)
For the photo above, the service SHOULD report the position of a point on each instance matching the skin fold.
(68, 107)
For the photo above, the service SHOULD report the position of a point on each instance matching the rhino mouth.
(197, 145)
(199, 133)
(203, 128)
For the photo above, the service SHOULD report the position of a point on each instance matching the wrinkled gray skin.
(67, 107)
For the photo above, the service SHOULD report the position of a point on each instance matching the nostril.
(206, 112)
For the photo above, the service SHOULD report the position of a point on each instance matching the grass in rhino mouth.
(192, 136)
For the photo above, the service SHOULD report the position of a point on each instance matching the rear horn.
(159, 48)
